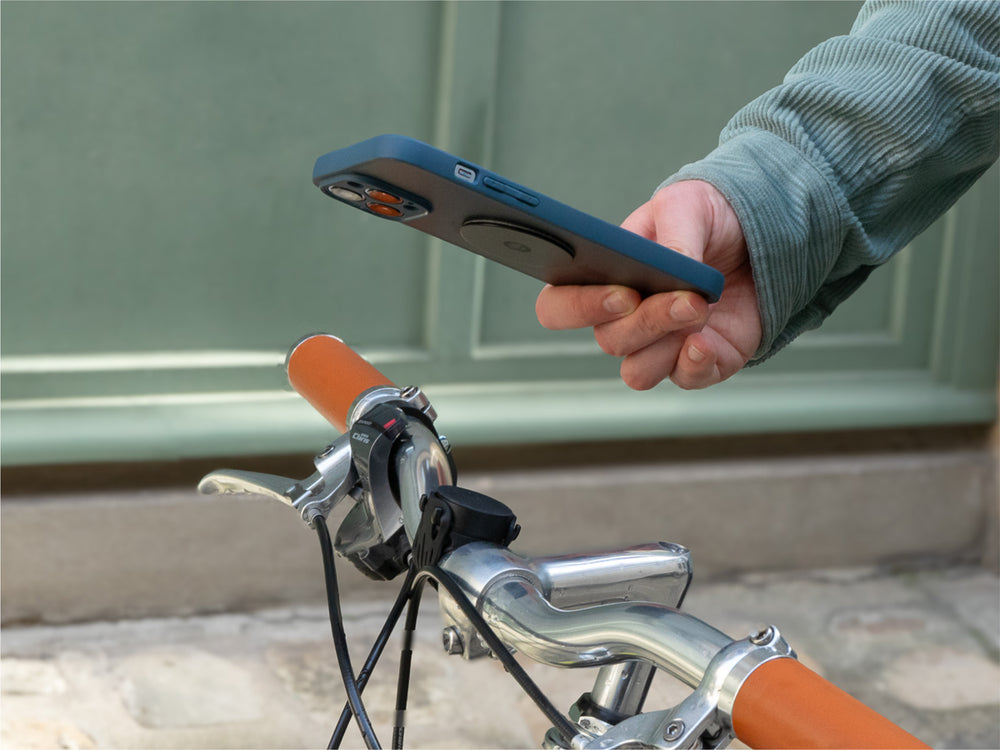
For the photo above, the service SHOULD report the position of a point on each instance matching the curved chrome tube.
(605, 634)
(422, 466)
(657, 572)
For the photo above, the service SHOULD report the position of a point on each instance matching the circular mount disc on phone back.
(515, 245)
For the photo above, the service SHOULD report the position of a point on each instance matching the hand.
(675, 335)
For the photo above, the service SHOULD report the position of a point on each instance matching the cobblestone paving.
(922, 648)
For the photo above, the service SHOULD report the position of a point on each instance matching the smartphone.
(404, 180)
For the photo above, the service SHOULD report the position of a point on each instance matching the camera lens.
(383, 210)
(344, 193)
(382, 196)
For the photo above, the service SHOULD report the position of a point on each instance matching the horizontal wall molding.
(175, 426)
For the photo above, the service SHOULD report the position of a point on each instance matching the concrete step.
(794, 503)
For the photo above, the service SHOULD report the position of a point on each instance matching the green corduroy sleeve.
(868, 140)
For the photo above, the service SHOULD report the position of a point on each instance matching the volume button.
(507, 189)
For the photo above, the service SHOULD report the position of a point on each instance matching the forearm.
(870, 138)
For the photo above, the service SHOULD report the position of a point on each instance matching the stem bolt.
(673, 730)
(451, 639)
(762, 636)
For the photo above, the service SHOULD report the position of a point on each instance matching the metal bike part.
(411, 395)
(419, 466)
(658, 572)
(594, 636)
(399, 459)
(370, 398)
(422, 461)
(618, 694)
(509, 592)
(314, 496)
(702, 720)
(374, 438)
(620, 689)
(422, 465)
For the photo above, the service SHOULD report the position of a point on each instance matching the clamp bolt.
(451, 639)
(762, 636)
(673, 730)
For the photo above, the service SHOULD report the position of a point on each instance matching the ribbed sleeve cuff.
(792, 221)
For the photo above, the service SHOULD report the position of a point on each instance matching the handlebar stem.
(538, 612)
(422, 465)
(656, 572)
(604, 634)
(533, 609)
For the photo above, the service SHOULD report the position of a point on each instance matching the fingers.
(654, 318)
(675, 335)
(696, 361)
(623, 322)
(563, 307)
(648, 367)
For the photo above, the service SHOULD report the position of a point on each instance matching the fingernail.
(695, 354)
(683, 311)
(617, 303)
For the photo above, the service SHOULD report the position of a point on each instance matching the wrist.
(788, 214)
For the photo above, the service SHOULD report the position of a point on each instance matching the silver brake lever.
(317, 495)
(235, 482)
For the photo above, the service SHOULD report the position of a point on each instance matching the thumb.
(678, 216)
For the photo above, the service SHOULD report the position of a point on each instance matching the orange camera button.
(383, 196)
(384, 210)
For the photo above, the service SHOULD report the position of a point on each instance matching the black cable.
(405, 656)
(374, 655)
(412, 593)
(560, 722)
(340, 638)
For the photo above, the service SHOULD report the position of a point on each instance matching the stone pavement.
(921, 647)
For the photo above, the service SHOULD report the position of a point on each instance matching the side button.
(502, 187)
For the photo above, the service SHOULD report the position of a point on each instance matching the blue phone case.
(405, 180)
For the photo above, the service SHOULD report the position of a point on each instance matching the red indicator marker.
(389, 424)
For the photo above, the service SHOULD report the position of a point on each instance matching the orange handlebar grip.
(330, 375)
(783, 704)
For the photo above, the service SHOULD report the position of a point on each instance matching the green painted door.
(162, 244)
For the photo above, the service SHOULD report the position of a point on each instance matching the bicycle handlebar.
(330, 375)
(783, 704)
(770, 699)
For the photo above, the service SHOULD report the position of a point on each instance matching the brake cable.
(448, 516)
(403, 678)
(340, 638)
(486, 632)
(405, 592)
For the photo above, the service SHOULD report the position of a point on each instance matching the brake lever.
(316, 496)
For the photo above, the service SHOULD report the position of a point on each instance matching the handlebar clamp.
(704, 719)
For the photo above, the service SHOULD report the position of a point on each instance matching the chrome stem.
(605, 634)
(422, 466)
(622, 688)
